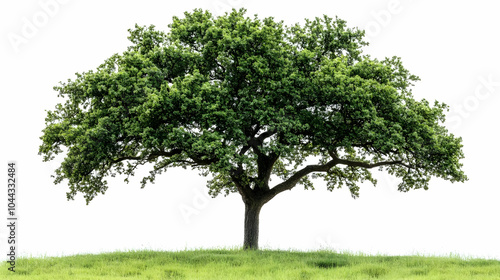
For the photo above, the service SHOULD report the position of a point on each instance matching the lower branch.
(292, 181)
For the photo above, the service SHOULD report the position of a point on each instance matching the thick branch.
(266, 135)
(250, 133)
(292, 181)
(256, 143)
(238, 178)
(265, 167)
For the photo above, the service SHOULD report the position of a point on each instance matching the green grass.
(238, 264)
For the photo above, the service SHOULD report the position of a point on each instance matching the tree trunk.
(251, 239)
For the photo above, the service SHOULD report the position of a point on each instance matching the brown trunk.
(251, 238)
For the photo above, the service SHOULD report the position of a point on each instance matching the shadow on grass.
(329, 262)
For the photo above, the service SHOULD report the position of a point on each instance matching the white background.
(452, 46)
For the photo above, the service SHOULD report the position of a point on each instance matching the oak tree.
(244, 100)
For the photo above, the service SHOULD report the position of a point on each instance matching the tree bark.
(251, 236)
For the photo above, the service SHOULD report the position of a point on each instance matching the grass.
(238, 264)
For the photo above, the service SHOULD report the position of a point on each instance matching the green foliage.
(244, 99)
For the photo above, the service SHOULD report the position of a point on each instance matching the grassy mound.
(238, 264)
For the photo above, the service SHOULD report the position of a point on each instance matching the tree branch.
(364, 164)
(152, 156)
(292, 181)
(255, 143)
(245, 191)
(266, 135)
(368, 165)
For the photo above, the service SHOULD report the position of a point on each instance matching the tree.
(243, 100)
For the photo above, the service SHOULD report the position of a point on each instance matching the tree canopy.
(245, 99)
